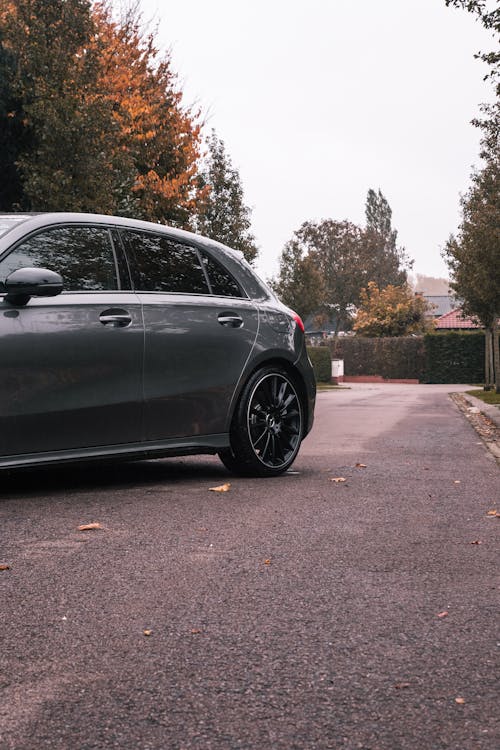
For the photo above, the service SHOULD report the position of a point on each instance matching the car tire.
(267, 426)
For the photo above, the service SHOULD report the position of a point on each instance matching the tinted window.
(159, 264)
(221, 281)
(82, 255)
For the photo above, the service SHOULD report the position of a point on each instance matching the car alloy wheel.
(268, 425)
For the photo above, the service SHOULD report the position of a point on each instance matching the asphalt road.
(293, 613)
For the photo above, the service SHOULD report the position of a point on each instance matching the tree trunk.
(496, 355)
(488, 359)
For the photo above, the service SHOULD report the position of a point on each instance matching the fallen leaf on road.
(147, 632)
(89, 526)
(361, 466)
(494, 513)
(338, 479)
(461, 701)
(220, 488)
(4, 566)
(443, 614)
(267, 562)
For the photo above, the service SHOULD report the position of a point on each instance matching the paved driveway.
(297, 612)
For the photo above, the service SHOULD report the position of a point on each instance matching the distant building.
(455, 320)
(441, 304)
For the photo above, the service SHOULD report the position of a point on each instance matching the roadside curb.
(492, 412)
(485, 423)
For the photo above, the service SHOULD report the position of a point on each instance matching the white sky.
(318, 101)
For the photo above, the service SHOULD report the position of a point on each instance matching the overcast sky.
(319, 101)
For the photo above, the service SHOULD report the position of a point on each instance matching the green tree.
(59, 153)
(327, 263)
(392, 311)
(13, 132)
(385, 260)
(474, 254)
(299, 283)
(92, 115)
(490, 18)
(323, 259)
(222, 214)
(473, 257)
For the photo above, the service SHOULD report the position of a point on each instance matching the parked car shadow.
(117, 474)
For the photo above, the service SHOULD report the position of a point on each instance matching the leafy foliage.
(393, 311)
(222, 213)
(327, 263)
(399, 358)
(388, 260)
(300, 283)
(454, 357)
(490, 20)
(321, 361)
(94, 115)
(474, 255)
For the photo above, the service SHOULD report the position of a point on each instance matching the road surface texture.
(297, 612)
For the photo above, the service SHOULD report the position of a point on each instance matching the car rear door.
(198, 338)
(71, 365)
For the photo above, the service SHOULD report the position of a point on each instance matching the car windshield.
(9, 221)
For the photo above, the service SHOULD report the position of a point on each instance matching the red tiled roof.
(455, 319)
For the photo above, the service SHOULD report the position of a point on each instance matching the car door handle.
(230, 320)
(115, 318)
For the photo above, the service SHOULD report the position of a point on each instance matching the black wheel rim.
(274, 421)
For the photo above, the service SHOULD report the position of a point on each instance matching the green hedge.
(451, 357)
(454, 357)
(321, 362)
(399, 357)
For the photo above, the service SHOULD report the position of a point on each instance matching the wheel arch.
(294, 374)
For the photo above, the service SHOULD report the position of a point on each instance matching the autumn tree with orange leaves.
(91, 117)
(392, 311)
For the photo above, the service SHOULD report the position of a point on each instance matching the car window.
(221, 281)
(160, 264)
(82, 255)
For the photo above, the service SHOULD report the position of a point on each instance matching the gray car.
(122, 338)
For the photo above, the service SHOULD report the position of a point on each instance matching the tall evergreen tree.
(385, 260)
(223, 214)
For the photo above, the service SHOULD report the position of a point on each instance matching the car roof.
(42, 219)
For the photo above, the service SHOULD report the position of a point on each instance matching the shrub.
(454, 357)
(398, 357)
(321, 362)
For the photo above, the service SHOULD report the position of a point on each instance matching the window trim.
(129, 254)
(243, 295)
(107, 228)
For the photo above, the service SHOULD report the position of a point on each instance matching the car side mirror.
(24, 283)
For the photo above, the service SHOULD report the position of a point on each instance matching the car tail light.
(299, 322)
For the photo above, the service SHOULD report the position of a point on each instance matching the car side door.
(71, 365)
(198, 335)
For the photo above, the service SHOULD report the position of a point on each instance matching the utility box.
(337, 371)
